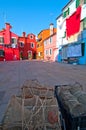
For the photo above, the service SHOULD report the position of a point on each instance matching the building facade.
(27, 46)
(8, 44)
(72, 42)
(40, 42)
(50, 49)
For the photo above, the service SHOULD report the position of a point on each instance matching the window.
(46, 52)
(45, 42)
(64, 35)
(84, 1)
(37, 45)
(1, 40)
(50, 51)
(50, 39)
(31, 36)
(77, 3)
(21, 44)
(38, 53)
(2, 53)
(32, 45)
(84, 23)
(41, 53)
(66, 13)
(14, 40)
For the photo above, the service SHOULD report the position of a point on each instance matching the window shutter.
(64, 35)
(84, 23)
(84, 1)
(66, 13)
(77, 3)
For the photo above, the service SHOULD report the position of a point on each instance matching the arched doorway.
(34, 55)
(30, 55)
(21, 55)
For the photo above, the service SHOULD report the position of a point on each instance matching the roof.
(67, 4)
(50, 36)
(43, 30)
(59, 16)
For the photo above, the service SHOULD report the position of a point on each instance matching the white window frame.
(15, 40)
(39, 54)
(2, 39)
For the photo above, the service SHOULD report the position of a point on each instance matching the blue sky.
(30, 16)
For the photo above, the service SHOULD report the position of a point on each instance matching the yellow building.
(40, 42)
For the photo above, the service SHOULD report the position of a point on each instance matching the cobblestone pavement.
(14, 73)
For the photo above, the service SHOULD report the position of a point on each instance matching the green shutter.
(84, 1)
(64, 35)
(66, 13)
(77, 3)
(84, 23)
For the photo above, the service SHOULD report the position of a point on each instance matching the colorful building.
(27, 46)
(71, 24)
(8, 44)
(40, 42)
(50, 48)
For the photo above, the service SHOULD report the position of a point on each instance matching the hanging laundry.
(73, 23)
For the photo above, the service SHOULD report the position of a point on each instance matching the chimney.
(8, 26)
(51, 28)
(8, 34)
(23, 34)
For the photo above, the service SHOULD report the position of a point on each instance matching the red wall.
(27, 40)
(10, 53)
(14, 53)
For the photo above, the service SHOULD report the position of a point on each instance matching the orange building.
(40, 42)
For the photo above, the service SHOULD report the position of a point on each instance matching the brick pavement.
(14, 74)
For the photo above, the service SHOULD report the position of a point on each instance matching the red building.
(27, 46)
(8, 44)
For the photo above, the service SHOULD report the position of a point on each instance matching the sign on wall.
(74, 51)
(64, 52)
